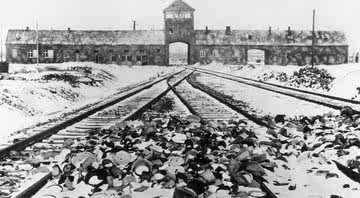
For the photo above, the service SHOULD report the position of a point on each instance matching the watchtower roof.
(179, 5)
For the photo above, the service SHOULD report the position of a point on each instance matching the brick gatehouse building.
(151, 47)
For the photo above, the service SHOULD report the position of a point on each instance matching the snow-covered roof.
(179, 5)
(85, 37)
(263, 37)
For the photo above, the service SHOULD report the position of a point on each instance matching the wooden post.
(313, 41)
(134, 25)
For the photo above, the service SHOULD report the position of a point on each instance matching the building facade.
(151, 47)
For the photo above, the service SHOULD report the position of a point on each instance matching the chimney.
(27, 28)
(206, 30)
(270, 31)
(69, 30)
(289, 29)
(228, 30)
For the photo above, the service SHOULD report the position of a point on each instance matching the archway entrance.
(178, 53)
(256, 57)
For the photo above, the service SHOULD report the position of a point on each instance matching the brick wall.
(274, 55)
(139, 54)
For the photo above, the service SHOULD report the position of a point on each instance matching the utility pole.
(37, 41)
(313, 41)
(134, 25)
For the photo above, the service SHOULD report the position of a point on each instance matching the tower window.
(176, 15)
(158, 51)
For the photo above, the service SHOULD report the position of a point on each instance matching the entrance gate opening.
(178, 53)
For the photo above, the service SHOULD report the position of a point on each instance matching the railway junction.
(177, 136)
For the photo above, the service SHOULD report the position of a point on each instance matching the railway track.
(203, 104)
(321, 99)
(32, 130)
(197, 102)
(333, 102)
(126, 107)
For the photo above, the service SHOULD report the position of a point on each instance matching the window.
(142, 51)
(30, 54)
(202, 53)
(113, 58)
(77, 51)
(123, 58)
(96, 51)
(138, 58)
(45, 53)
(158, 51)
(129, 58)
(14, 53)
(144, 58)
(250, 37)
(126, 51)
(177, 15)
(111, 51)
(215, 53)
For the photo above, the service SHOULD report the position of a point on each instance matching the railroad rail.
(131, 105)
(203, 104)
(321, 99)
(215, 110)
(82, 115)
(126, 107)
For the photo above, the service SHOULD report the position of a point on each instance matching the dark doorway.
(178, 53)
(256, 57)
(77, 56)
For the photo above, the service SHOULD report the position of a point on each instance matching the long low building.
(151, 47)
(122, 47)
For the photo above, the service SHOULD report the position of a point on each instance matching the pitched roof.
(81, 37)
(179, 5)
(262, 37)
(157, 37)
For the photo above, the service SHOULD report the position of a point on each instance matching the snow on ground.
(34, 93)
(345, 84)
(263, 101)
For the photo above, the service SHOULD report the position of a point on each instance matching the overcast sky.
(239, 14)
